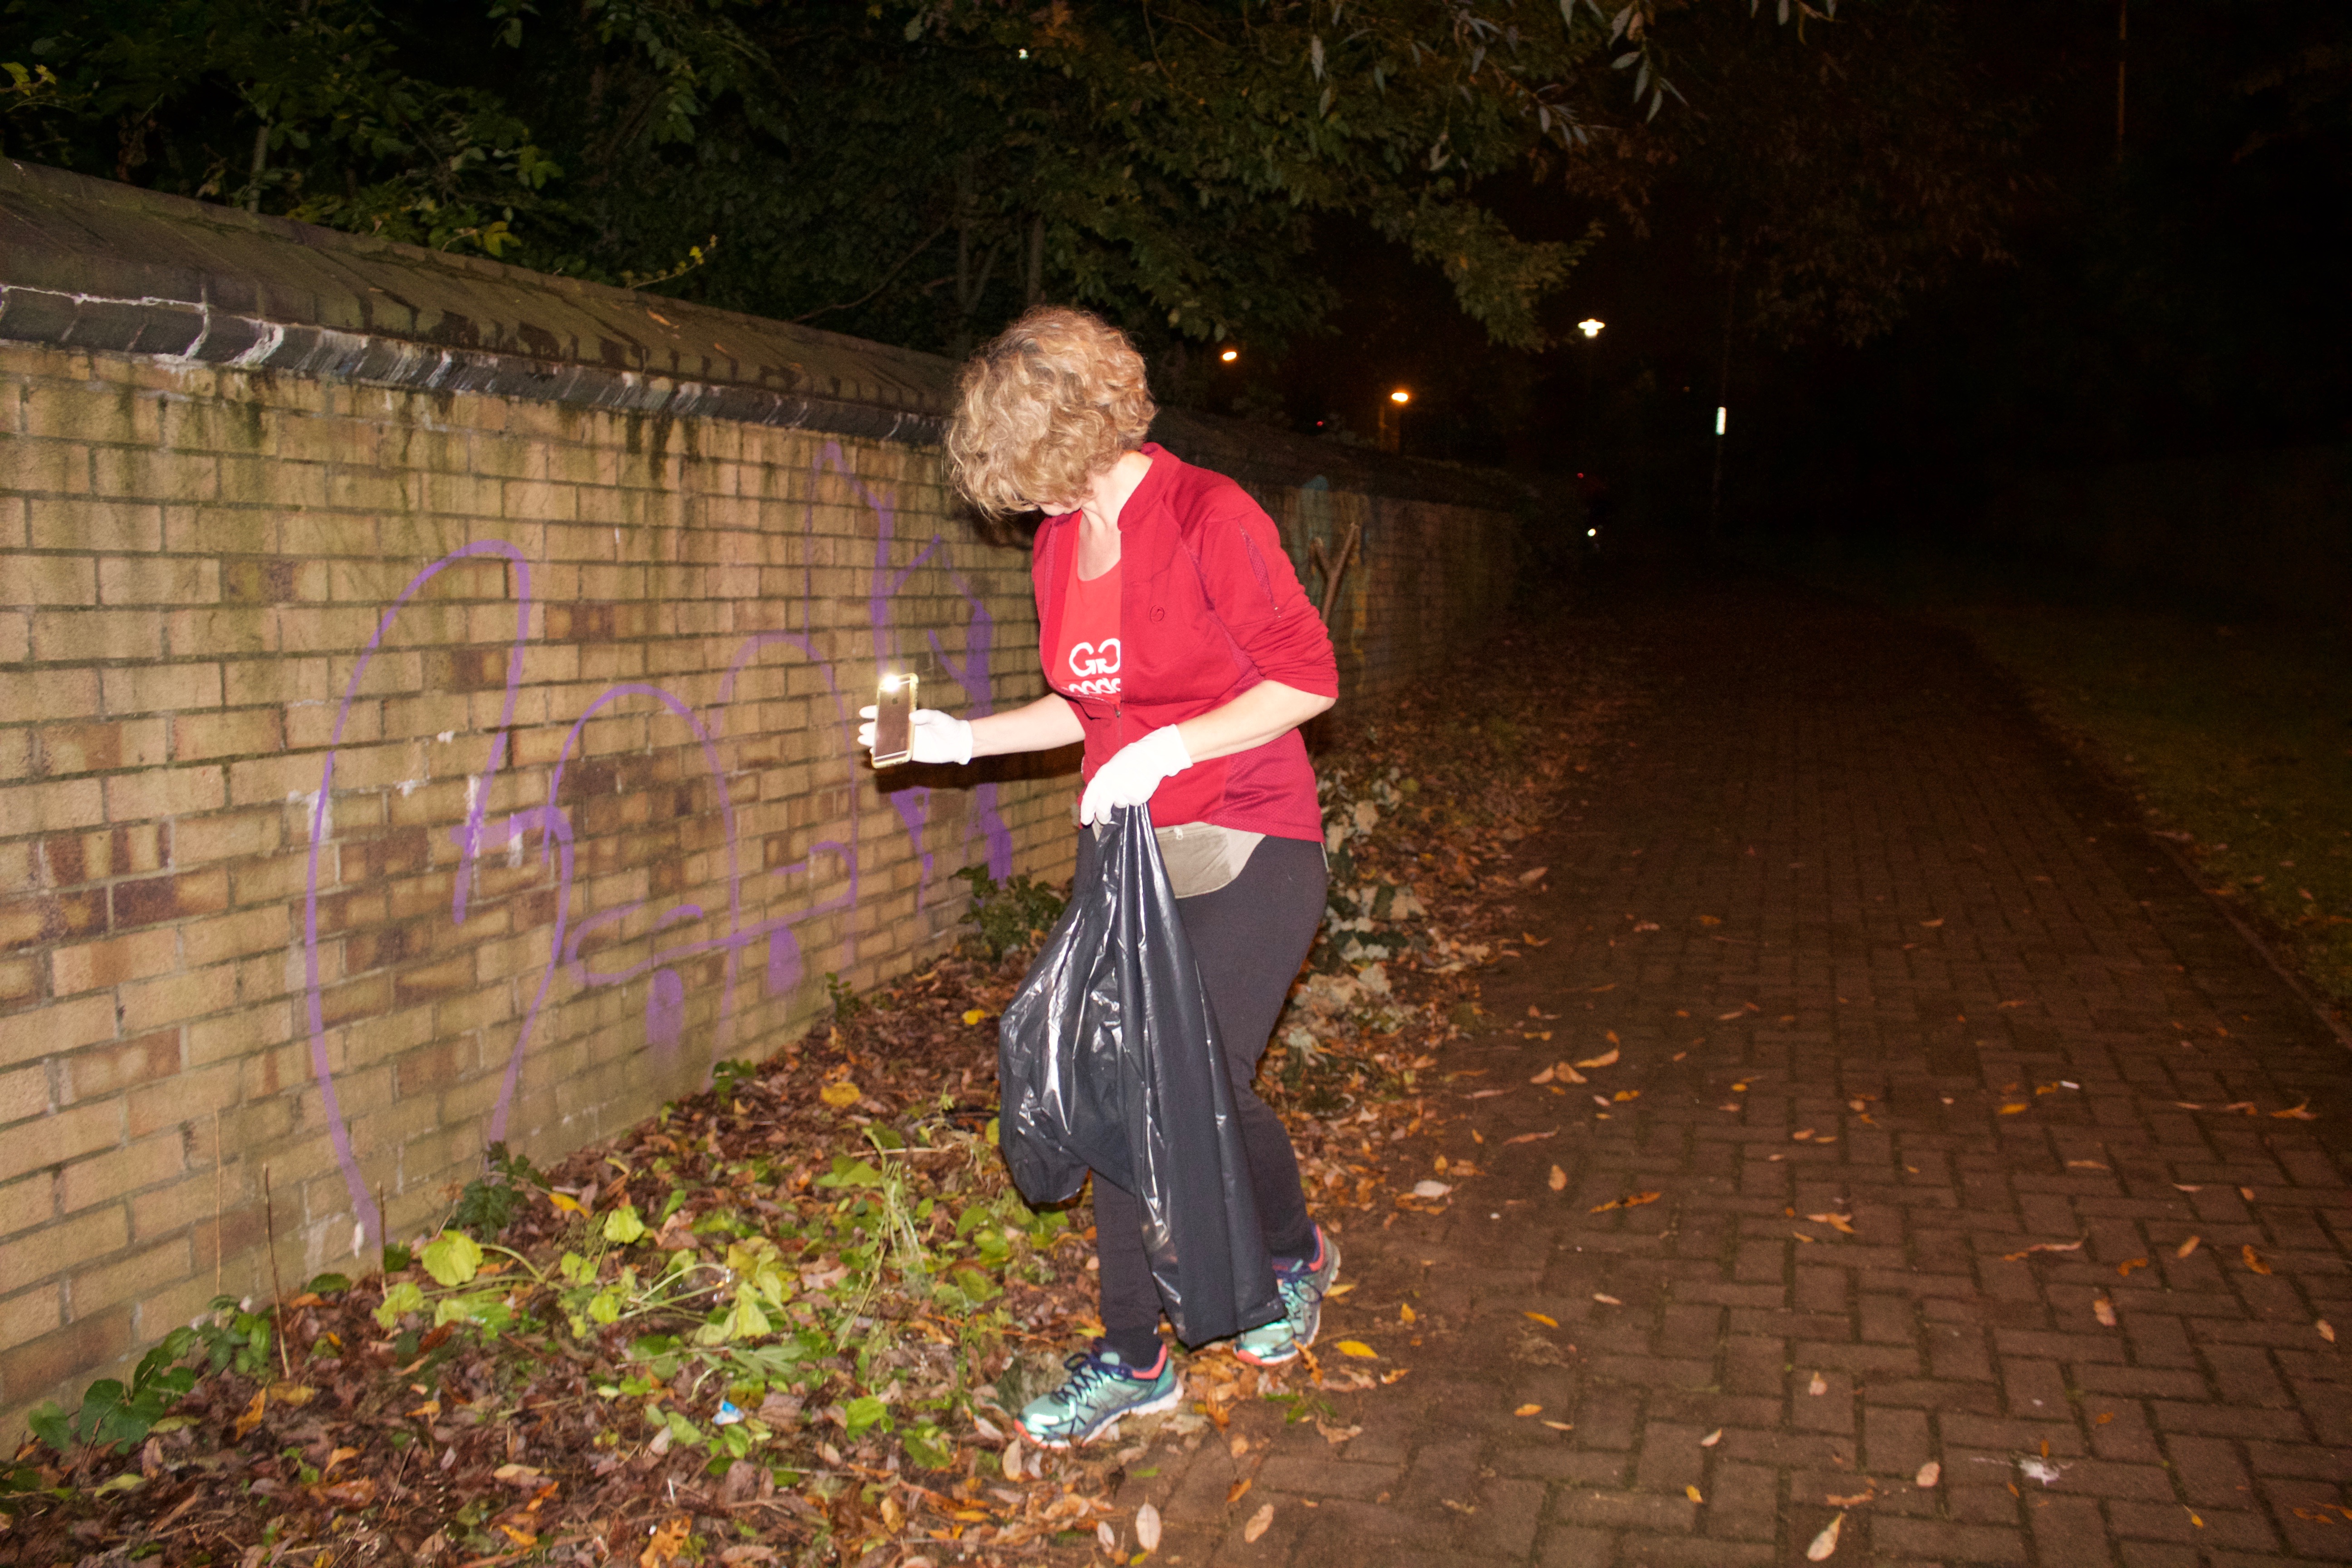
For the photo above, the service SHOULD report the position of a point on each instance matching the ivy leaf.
(623, 1225)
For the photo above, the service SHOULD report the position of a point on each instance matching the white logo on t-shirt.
(1087, 659)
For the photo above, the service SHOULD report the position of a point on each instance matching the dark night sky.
(2189, 298)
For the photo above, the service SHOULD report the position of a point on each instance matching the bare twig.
(277, 1286)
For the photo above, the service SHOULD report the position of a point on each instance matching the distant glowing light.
(1400, 397)
(1229, 355)
(1721, 416)
(1592, 533)
(1591, 326)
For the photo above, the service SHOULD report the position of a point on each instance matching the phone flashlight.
(894, 719)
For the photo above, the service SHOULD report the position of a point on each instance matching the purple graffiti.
(480, 835)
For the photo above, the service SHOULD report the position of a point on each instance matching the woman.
(1181, 650)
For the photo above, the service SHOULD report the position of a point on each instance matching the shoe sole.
(1108, 1425)
(1314, 1324)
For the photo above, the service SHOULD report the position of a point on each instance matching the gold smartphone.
(894, 719)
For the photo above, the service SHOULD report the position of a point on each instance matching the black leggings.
(1249, 937)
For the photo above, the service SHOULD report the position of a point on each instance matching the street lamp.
(1391, 421)
(1591, 326)
(1229, 355)
(1400, 397)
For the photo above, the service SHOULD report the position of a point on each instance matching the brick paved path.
(1891, 909)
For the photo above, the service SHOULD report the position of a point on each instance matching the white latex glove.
(1132, 773)
(934, 736)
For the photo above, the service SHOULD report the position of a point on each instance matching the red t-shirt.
(1208, 607)
(1087, 663)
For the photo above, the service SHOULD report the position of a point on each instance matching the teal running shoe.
(1303, 1285)
(1101, 1392)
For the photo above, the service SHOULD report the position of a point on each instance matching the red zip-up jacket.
(1209, 606)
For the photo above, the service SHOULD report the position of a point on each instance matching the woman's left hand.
(1133, 773)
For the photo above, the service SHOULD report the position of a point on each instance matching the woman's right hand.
(934, 736)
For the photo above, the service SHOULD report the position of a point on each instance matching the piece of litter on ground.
(1929, 1474)
(2041, 1470)
(1826, 1541)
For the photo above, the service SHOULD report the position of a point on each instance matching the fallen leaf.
(2128, 1264)
(1633, 1202)
(1820, 1384)
(1529, 1138)
(1259, 1522)
(1825, 1543)
(1430, 1189)
(1801, 1134)
(1836, 1222)
(1238, 1446)
(1147, 1527)
(840, 1095)
(667, 1541)
(2254, 1260)
(1486, 1094)
(1527, 879)
(2186, 1247)
(2327, 1330)
(1712, 1438)
(1528, 1410)
(1561, 1426)
(1558, 1180)
(1405, 1314)
(1233, 1493)
(2013, 1107)
(1570, 1075)
(1607, 1300)
(1692, 1492)
(975, 1014)
(1106, 1537)
(2075, 1246)
(252, 1416)
(2084, 1165)
(1607, 1059)
(1727, 1017)
(2104, 1310)
(1932, 924)
(1623, 1095)
(1539, 1317)
(2297, 1113)
(1929, 1474)
(1543, 1076)
(2247, 1193)
(1359, 1348)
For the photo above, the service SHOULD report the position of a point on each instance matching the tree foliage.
(918, 170)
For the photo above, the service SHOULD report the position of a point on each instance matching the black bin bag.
(1109, 1061)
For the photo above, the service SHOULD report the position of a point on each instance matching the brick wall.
(388, 769)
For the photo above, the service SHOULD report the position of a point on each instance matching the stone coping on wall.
(96, 265)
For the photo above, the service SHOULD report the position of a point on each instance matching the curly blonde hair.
(1048, 404)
